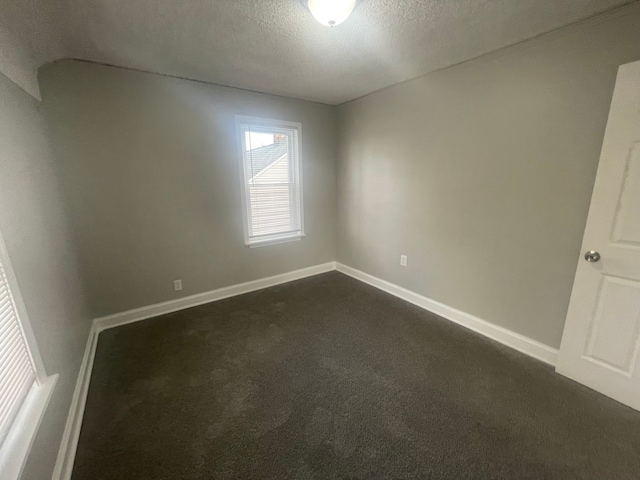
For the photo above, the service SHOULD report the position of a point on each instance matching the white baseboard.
(201, 298)
(507, 337)
(71, 434)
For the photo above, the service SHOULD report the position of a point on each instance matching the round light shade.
(331, 12)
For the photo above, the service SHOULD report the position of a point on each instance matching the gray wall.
(29, 38)
(482, 174)
(35, 228)
(150, 168)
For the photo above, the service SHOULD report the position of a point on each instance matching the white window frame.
(15, 447)
(268, 123)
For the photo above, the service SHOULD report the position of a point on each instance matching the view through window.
(272, 186)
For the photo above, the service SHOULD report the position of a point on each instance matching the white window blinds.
(272, 180)
(17, 373)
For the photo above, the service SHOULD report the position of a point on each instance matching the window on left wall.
(24, 388)
(18, 371)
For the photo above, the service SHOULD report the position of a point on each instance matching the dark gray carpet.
(330, 378)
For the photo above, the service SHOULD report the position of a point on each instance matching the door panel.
(627, 225)
(613, 334)
(601, 341)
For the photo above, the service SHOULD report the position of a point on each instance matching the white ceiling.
(275, 46)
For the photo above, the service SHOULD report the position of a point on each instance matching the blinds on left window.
(17, 373)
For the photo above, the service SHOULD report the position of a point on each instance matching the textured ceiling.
(276, 46)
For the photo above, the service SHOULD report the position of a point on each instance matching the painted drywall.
(36, 230)
(482, 174)
(30, 35)
(150, 168)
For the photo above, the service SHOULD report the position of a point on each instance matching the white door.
(601, 341)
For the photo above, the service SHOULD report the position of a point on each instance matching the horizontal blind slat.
(11, 337)
(6, 324)
(11, 402)
(11, 356)
(17, 373)
(16, 363)
(271, 176)
(13, 383)
(6, 308)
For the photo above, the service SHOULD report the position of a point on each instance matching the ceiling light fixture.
(330, 12)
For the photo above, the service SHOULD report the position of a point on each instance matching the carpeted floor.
(328, 378)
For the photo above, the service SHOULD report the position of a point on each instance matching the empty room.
(320, 239)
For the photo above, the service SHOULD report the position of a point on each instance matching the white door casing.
(601, 341)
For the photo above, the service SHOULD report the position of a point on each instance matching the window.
(271, 174)
(18, 373)
(24, 390)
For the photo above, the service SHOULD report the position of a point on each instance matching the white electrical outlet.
(177, 285)
(403, 260)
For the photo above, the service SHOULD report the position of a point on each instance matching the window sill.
(275, 241)
(16, 446)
